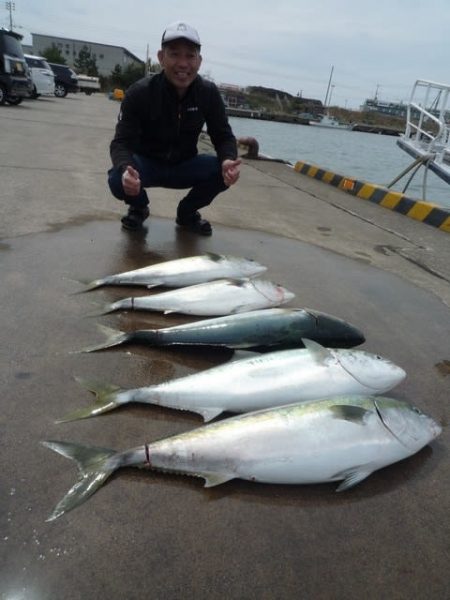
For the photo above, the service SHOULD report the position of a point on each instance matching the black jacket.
(155, 122)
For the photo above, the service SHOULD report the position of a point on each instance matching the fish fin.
(98, 388)
(149, 286)
(347, 412)
(209, 413)
(106, 400)
(214, 256)
(89, 285)
(114, 338)
(239, 309)
(106, 309)
(242, 355)
(352, 477)
(169, 311)
(319, 352)
(237, 281)
(213, 479)
(93, 467)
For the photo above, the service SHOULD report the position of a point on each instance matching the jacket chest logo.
(192, 109)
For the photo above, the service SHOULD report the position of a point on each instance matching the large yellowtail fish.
(262, 381)
(338, 439)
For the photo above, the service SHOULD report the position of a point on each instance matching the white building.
(106, 56)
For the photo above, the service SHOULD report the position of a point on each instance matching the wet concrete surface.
(155, 535)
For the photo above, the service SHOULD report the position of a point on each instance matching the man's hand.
(131, 181)
(230, 171)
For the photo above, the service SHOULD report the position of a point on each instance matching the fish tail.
(89, 285)
(106, 399)
(94, 466)
(114, 338)
(107, 309)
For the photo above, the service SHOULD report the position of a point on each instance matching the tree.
(116, 76)
(53, 55)
(132, 73)
(86, 62)
(152, 67)
(123, 78)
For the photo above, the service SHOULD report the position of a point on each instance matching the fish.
(183, 272)
(269, 327)
(213, 298)
(261, 381)
(341, 439)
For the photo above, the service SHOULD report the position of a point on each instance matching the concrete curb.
(416, 209)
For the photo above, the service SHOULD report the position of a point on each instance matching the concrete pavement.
(153, 535)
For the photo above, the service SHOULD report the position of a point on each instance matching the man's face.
(181, 61)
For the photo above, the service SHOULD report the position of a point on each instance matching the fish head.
(275, 293)
(247, 266)
(334, 332)
(371, 370)
(412, 428)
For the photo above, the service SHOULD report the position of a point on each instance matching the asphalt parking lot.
(155, 535)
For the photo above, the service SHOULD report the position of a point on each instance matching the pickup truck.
(88, 84)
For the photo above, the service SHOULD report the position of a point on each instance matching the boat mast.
(328, 88)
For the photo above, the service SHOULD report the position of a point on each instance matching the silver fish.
(261, 381)
(213, 298)
(271, 327)
(337, 439)
(184, 271)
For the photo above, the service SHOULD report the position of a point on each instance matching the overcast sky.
(290, 45)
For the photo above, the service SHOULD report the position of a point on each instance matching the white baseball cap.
(180, 30)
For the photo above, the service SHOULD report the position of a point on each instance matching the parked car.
(15, 82)
(42, 76)
(88, 84)
(65, 80)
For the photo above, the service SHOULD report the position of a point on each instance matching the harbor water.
(365, 156)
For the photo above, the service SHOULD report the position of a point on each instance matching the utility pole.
(10, 6)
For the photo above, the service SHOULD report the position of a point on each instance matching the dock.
(153, 535)
(248, 113)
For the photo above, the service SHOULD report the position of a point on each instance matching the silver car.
(42, 76)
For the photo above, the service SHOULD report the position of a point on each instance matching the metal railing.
(426, 122)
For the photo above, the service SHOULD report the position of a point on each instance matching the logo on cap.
(180, 30)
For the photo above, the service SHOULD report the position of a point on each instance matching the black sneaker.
(135, 218)
(195, 223)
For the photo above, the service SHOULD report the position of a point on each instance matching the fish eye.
(378, 357)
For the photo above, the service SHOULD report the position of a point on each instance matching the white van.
(42, 76)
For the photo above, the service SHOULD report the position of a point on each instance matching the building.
(394, 109)
(106, 56)
(232, 95)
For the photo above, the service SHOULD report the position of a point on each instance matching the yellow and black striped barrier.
(416, 209)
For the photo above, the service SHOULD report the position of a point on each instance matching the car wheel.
(88, 92)
(60, 90)
(2, 95)
(34, 93)
(14, 100)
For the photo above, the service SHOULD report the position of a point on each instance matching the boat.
(427, 132)
(330, 123)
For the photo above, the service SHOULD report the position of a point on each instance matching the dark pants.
(202, 173)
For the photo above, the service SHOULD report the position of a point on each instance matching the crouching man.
(155, 144)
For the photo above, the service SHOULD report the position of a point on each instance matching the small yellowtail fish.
(184, 271)
(262, 381)
(338, 439)
(213, 298)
